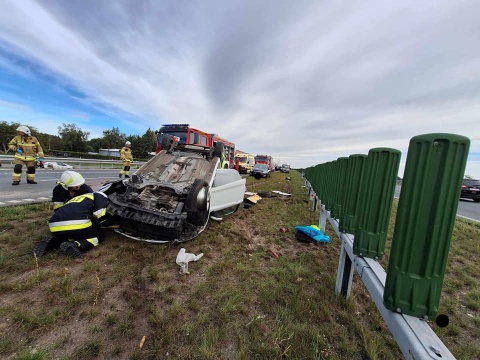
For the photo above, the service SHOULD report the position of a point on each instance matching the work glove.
(20, 151)
(183, 258)
(40, 159)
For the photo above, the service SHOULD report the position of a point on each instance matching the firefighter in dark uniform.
(71, 184)
(127, 158)
(26, 147)
(75, 226)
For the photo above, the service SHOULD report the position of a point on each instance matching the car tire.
(218, 149)
(167, 142)
(197, 203)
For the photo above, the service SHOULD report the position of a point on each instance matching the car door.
(227, 192)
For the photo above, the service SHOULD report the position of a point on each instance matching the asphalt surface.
(47, 179)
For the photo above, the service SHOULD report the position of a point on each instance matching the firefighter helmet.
(128, 143)
(25, 130)
(71, 178)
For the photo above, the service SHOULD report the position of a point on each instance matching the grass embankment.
(238, 302)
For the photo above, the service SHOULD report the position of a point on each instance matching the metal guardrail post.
(414, 336)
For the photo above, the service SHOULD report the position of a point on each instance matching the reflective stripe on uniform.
(56, 205)
(24, 157)
(93, 241)
(69, 225)
(100, 212)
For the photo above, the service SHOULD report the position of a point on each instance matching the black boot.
(70, 249)
(31, 182)
(48, 243)
(127, 177)
(16, 183)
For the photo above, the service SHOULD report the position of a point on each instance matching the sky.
(305, 81)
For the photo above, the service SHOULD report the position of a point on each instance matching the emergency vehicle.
(190, 136)
(265, 159)
(245, 162)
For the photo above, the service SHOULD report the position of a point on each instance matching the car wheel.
(218, 149)
(167, 142)
(197, 203)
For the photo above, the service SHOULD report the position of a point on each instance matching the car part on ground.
(470, 189)
(170, 198)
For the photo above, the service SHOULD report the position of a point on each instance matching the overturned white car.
(171, 197)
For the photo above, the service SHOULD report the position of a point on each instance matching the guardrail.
(8, 160)
(356, 195)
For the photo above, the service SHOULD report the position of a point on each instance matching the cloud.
(304, 81)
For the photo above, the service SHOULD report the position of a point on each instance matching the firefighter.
(127, 158)
(71, 184)
(75, 226)
(26, 147)
(224, 163)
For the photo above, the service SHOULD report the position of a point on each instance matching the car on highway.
(260, 170)
(170, 198)
(57, 165)
(285, 168)
(470, 189)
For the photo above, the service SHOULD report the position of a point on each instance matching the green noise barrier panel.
(329, 171)
(351, 203)
(425, 218)
(339, 184)
(376, 198)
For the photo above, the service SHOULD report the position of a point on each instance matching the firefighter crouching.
(75, 227)
(71, 184)
(26, 147)
(127, 158)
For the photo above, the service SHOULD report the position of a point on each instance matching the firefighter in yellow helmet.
(26, 147)
(71, 184)
(127, 158)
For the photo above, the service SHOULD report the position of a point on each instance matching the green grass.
(238, 302)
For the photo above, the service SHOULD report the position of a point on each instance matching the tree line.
(72, 139)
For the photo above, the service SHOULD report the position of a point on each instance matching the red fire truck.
(190, 136)
(265, 159)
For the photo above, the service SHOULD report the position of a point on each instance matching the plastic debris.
(281, 193)
(183, 258)
(311, 233)
(274, 253)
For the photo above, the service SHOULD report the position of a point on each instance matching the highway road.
(466, 208)
(47, 179)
